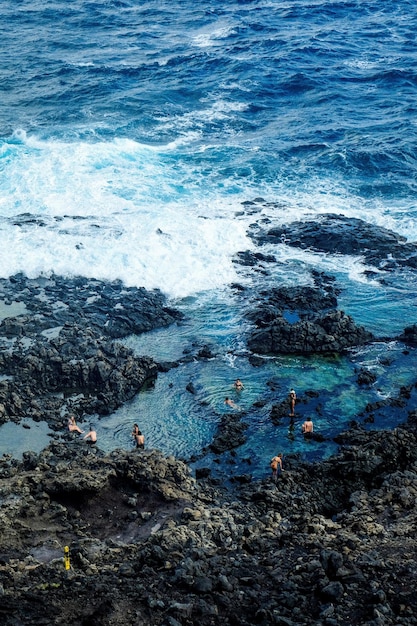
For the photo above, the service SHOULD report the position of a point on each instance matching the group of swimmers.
(307, 428)
(91, 436)
(276, 462)
(238, 385)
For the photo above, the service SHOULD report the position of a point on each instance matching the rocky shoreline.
(60, 357)
(150, 543)
(331, 543)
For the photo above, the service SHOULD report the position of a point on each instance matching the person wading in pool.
(138, 436)
(293, 399)
(238, 385)
(307, 428)
(140, 440)
(91, 437)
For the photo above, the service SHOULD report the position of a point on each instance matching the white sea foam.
(211, 33)
(116, 210)
(327, 196)
(149, 216)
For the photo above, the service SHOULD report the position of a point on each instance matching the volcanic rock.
(64, 344)
(331, 333)
(338, 234)
(148, 544)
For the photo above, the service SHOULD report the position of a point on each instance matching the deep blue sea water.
(132, 132)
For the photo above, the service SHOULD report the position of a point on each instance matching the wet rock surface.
(332, 332)
(334, 233)
(329, 543)
(59, 356)
(229, 434)
(302, 320)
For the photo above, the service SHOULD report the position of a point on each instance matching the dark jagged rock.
(108, 308)
(400, 401)
(338, 234)
(409, 335)
(331, 333)
(300, 301)
(329, 543)
(205, 353)
(253, 258)
(280, 410)
(229, 434)
(365, 377)
(303, 320)
(191, 388)
(63, 344)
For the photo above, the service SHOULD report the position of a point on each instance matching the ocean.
(133, 135)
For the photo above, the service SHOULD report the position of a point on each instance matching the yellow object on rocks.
(67, 558)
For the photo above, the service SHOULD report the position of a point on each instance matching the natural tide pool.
(28, 435)
(180, 411)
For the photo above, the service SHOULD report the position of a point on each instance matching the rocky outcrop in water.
(339, 234)
(99, 373)
(108, 308)
(302, 320)
(409, 335)
(230, 433)
(59, 355)
(331, 333)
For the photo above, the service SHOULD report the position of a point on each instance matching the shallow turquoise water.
(28, 435)
(182, 423)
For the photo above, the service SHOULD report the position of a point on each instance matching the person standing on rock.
(276, 466)
(72, 426)
(293, 399)
(307, 428)
(91, 436)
